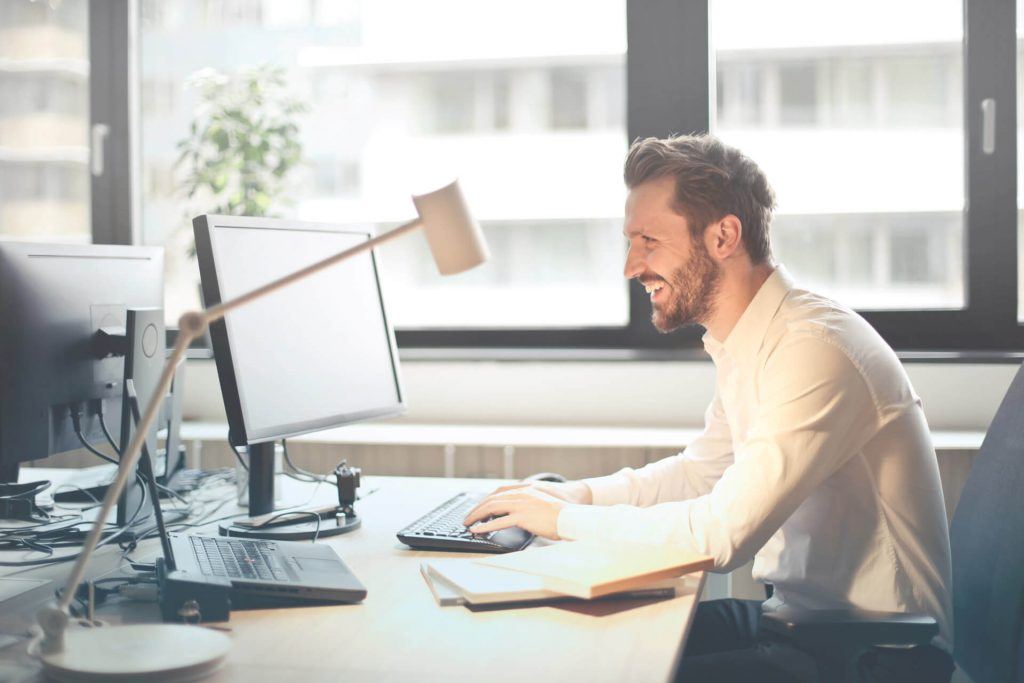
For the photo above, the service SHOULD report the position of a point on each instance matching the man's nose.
(634, 264)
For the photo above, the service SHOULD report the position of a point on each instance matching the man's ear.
(724, 237)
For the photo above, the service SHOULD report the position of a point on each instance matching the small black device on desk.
(442, 529)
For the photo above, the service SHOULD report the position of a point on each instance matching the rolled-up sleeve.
(686, 475)
(814, 411)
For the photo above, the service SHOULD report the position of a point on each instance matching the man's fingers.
(497, 497)
(495, 524)
(491, 506)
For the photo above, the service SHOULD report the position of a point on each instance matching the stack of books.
(581, 570)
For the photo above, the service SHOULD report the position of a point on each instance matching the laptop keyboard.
(238, 559)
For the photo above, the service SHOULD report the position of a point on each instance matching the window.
(1020, 157)
(568, 99)
(453, 96)
(797, 93)
(870, 127)
(44, 120)
(867, 140)
(535, 129)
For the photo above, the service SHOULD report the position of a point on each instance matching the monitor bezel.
(239, 433)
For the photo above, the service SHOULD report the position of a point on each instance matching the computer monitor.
(54, 300)
(318, 354)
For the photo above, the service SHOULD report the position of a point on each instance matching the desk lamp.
(179, 652)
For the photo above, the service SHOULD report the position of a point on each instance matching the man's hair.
(712, 181)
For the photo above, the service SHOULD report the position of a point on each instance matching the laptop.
(261, 573)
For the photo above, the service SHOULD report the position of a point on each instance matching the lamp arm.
(191, 326)
(126, 467)
(218, 311)
(53, 619)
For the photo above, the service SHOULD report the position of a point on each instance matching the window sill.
(540, 355)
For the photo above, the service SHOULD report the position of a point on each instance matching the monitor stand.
(9, 472)
(261, 502)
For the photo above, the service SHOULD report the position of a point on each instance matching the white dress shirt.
(816, 461)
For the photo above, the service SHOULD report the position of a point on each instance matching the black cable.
(63, 533)
(77, 423)
(316, 532)
(106, 432)
(67, 558)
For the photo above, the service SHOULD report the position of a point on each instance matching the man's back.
(873, 534)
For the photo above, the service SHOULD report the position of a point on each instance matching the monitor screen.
(317, 354)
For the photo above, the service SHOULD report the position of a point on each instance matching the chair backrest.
(987, 537)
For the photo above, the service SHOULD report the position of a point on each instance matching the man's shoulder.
(818, 327)
(807, 314)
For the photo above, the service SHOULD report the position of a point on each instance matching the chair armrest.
(848, 629)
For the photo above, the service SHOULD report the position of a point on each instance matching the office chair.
(987, 543)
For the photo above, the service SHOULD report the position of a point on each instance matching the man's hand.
(569, 491)
(533, 507)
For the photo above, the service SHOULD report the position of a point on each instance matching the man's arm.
(686, 475)
(816, 411)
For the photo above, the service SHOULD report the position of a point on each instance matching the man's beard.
(693, 289)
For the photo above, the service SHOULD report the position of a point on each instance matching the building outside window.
(534, 129)
(862, 138)
(44, 120)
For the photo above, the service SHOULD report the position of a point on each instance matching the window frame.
(669, 77)
(113, 28)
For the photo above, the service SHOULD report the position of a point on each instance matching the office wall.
(955, 396)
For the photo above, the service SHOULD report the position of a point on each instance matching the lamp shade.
(454, 236)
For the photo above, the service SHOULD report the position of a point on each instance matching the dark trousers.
(725, 645)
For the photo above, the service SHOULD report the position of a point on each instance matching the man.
(815, 461)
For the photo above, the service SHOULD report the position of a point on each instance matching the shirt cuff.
(610, 490)
(580, 522)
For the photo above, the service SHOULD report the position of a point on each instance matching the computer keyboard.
(442, 529)
(238, 559)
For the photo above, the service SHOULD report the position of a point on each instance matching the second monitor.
(316, 355)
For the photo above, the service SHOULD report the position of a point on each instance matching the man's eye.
(648, 240)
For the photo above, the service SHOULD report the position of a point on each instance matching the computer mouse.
(546, 476)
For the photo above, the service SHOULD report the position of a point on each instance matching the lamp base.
(151, 652)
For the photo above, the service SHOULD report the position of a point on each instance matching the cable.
(316, 533)
(106, 432)
(67, 558)
(298, 473)
(75, 487)
(77, 423)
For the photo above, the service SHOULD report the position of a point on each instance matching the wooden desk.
(399, 633)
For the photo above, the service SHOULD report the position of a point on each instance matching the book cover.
(463, 581)
(590, 569)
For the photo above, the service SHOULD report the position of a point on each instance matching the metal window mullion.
(991, 179)
(110, 85)
(668, 90)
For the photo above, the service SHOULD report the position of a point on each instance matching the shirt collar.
(748, 333)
